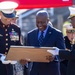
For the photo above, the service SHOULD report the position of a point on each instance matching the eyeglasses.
(71, 31)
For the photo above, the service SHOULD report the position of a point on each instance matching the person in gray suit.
(45, 35)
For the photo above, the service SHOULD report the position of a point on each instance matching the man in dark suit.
(51, 38)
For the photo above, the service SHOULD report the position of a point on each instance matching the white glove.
(54, 52)
(0, 56)
(3, 60)
(13, 62)
(7, 61)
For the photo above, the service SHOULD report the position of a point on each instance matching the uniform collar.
(3, 25)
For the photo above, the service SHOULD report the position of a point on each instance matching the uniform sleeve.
(69, 55)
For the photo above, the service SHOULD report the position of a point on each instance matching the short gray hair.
(42, 13)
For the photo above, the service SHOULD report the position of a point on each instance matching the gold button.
(5, 29)
(70, 42)
(3, 25)
(6, 34)
(8, 25)
(5, 53)
(6, 44)
(6, 39)
(6, 48)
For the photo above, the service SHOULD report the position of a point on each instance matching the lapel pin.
(49, 32)
(1, 35)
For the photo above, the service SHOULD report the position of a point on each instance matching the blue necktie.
(41, 38)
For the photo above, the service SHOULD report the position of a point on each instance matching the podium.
(33, 54)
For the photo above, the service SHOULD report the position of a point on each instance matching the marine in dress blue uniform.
(9, 35)
(69, 55)
(68, 42)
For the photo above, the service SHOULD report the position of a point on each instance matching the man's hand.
(50, 58)
(23, 62)
(54, 52)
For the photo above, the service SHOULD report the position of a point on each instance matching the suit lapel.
(36, 38)
(48, 34)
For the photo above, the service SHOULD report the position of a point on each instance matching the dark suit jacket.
(53, 38)
(69, 55)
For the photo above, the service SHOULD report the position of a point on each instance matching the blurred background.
(26, 19)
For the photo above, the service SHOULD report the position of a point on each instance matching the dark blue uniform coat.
(69, 55)
(9, 35)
